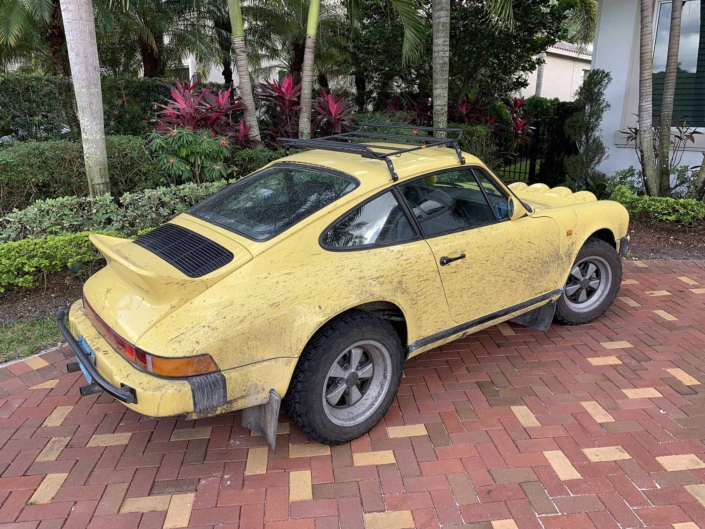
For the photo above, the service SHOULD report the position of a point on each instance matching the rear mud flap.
(263, 419)
(540, 318)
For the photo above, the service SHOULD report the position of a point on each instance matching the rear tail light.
(157, 365)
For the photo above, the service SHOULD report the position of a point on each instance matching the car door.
(488, 263)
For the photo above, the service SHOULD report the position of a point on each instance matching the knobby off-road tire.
(357, 350)
(592, 285)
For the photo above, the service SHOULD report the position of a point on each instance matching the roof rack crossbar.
(364, 142)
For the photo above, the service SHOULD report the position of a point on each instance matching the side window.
(380, 222)
(448, 202)
(497, 198)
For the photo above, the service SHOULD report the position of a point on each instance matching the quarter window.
(378, 222)
(448, 202)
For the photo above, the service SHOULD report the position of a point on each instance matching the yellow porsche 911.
(312, 280)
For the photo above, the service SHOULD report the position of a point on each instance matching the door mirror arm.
(516, 208)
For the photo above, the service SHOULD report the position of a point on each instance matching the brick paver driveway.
(592, 426)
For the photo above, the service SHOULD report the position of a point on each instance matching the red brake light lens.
(157, 365)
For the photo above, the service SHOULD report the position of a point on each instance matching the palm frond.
(502, 11)
(14, 18)
(413, 30)
(581, 23)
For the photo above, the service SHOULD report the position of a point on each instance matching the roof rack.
(369, 142)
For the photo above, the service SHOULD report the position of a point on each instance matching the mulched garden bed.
(666, 240)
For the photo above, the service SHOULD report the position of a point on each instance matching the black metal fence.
(542, 157)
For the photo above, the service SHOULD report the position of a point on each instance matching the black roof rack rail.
(369, 142)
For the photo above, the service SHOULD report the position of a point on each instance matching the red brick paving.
(494, 408)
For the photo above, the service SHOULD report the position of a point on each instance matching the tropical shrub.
(280, 105)
(188, 155)
(332, 114)
(129, 215)
(24, 263)
(197, 108)
(659, 209)
(38, 170)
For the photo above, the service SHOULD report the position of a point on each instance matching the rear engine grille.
(191, 253)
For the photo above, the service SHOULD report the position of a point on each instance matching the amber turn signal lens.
(181, 367)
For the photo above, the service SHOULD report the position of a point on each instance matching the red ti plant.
(333, 114)
(424, 112)
(520, 127)
(240, 137)
(197, 108)
(281, 103)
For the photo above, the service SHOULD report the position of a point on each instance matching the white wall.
(616, 50)
(562, 76)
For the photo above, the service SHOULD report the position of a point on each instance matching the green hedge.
(133, 213)
(42, 107)
(38, 170)
(658, 209)
(25, 262)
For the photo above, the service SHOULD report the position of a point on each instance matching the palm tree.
(669, 92)
(20, 17)
(646, 131)
(503, 14)
(242, 66)
(413, 34)
(79, 23)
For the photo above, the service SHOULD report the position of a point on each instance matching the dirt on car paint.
(665, 240)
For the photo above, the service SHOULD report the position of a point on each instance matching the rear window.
(267, 203)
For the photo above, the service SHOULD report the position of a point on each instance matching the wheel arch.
(604, 234)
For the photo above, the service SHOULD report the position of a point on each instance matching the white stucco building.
(616, 50)
(566, 67)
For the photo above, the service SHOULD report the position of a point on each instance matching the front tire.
(592, 285)
(346, 378)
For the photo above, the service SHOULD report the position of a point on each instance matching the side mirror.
(516, 208)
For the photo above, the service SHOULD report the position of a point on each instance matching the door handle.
(447, 260)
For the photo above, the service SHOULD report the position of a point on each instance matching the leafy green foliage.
(24, 262)
(659, 209)
(583, 128)
(133, 213)
(38, 170)
(36, 107)
(186, 155)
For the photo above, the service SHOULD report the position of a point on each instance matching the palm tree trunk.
(79, 24)
(297, 61)
(700, 182)
(441, 58)
(243, 69)
(56, 38)
(540, 74)
(150, 59)
(314, 10)
(669, 92)
(646, 131)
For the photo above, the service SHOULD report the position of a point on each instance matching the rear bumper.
(198, 396)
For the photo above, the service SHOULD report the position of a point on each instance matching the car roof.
(373, 172)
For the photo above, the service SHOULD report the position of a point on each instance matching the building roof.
(572, 48)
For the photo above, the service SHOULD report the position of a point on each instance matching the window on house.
(689, 102)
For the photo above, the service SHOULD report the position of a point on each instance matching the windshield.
(267, 203)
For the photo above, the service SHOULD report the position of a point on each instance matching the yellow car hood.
(137, 288)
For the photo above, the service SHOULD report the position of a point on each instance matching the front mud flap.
(539, 318)
(263, 419)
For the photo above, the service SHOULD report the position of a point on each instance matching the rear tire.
(592, 285)
(346, 378)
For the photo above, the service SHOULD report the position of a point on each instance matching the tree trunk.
(646, 131)
(323, 81)
(56, 39)
(669, 92)
(297, 61)
(441, 58)
(540, 73)
(79, 23)
(150, 59)
(243, 69)
(307, 89)
(360, 92)
(227, 71)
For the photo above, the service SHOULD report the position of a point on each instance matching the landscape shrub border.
(659, 209)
